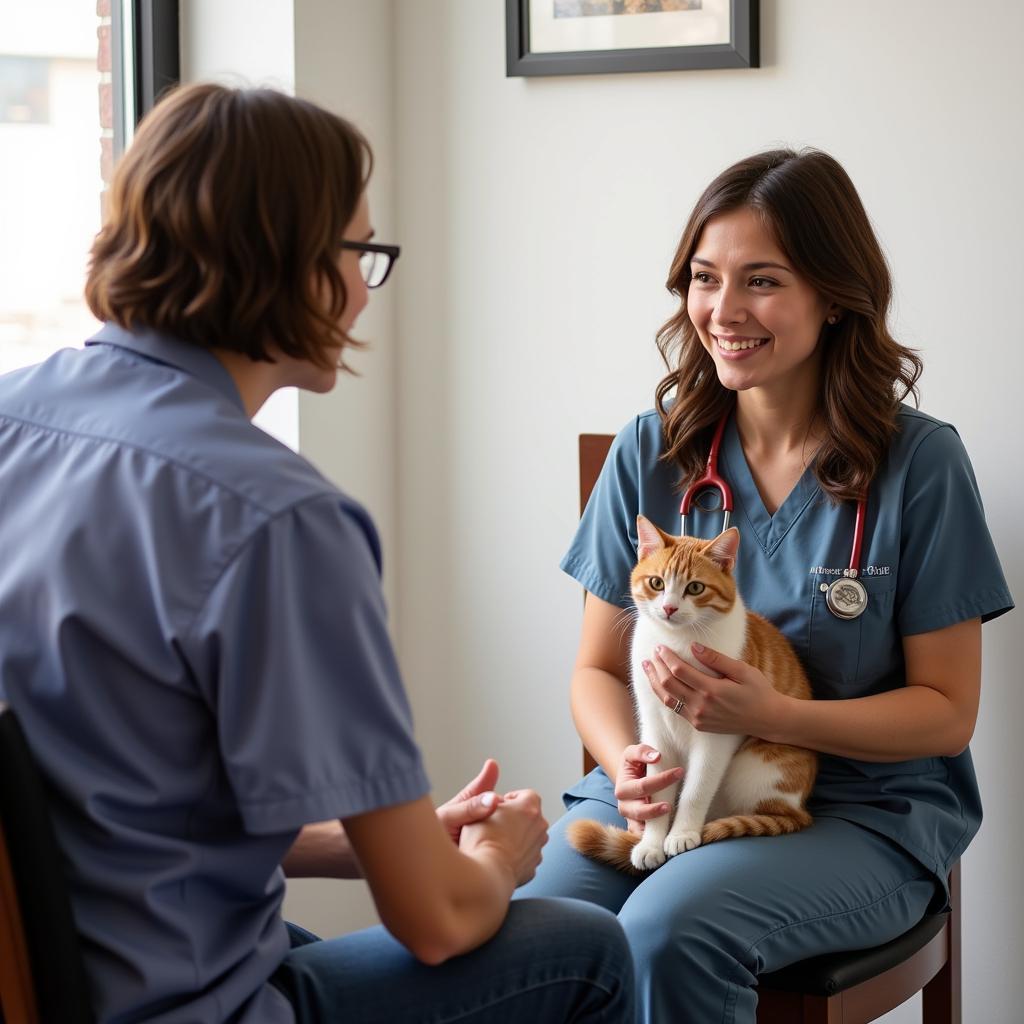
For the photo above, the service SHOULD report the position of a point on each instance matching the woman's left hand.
(728, 696)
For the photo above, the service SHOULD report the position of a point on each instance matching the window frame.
(146, 52)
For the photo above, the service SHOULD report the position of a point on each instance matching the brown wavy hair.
(809, 204)
(223, 221)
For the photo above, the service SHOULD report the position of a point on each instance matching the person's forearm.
(463, 901)
(462, 904)
(478, 902)
(322, 850)
(435, 899)
(602, 709)
(915, 721)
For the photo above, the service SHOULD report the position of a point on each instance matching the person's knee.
(583, 938)
(582, 942)
(570, 924)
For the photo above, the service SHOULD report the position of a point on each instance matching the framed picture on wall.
(587, 37)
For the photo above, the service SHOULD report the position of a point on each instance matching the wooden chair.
(859, 986)
(42, 979)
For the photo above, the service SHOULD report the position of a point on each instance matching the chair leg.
(797, 1008)
(822, 1010)
(941, 998)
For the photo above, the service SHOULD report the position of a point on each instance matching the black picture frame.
(742, 50)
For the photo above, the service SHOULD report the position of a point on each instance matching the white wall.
(539, 217)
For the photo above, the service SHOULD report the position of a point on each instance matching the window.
(50, 175)
(74, 77)
(25, 90)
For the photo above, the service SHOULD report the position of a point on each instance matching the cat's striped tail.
(777, 820)
(613, 846)
(605, 843)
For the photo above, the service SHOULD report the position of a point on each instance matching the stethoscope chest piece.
(846, 597)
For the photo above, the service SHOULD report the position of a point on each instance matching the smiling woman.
(770, 207)
(781, 350)
(761, 331)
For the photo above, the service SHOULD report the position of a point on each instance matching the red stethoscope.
(846, 597)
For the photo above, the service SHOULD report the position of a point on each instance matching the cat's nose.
(670, 610)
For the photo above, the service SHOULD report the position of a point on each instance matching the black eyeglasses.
(375, 261)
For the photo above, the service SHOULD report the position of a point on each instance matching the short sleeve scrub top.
(927, 562)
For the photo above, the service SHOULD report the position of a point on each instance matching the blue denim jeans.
(552, 960)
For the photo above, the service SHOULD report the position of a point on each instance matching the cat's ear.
(722, 550)
(650, 537)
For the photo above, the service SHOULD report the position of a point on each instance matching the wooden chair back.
(593, 452)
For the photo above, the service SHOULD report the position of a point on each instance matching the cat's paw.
(681, 842)
(647, 857)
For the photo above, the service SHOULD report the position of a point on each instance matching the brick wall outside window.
(103, 62)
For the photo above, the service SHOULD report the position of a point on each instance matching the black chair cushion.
(835, 972)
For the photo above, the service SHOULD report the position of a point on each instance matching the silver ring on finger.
(679, 707)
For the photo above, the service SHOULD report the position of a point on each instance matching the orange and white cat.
(684, 593)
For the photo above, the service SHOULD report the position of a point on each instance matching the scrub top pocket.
(845, 656)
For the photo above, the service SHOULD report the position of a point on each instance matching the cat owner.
(192, 629)
(782, 328)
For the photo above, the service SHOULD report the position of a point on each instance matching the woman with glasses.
(192, 631)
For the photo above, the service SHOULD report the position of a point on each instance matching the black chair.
(859, 986)
(862, 985)
(42, 979)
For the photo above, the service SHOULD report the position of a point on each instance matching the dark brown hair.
(223, 221)
(812, 209)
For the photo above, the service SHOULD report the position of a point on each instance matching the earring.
(833, 319)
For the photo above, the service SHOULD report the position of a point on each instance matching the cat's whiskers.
(623, 621)
(703, 629)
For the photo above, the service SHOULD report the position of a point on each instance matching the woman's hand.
(514, 834)
(634, 787)
(476, 801)
(730, 696)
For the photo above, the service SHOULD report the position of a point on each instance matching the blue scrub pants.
(552, 961)
(706, 923)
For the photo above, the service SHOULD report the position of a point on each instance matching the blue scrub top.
(928, 562)
(192, 633)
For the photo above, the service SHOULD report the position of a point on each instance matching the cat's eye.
(695, 588)
(656, 583)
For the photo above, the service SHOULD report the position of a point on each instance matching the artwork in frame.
(585, 37)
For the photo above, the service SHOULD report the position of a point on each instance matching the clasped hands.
(512, 822)
(726, 696)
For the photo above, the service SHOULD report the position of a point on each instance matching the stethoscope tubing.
(846, 597)
(711, 478)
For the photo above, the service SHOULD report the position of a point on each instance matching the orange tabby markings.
(733, 785)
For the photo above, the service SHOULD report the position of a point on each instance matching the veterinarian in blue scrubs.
(781, 329)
